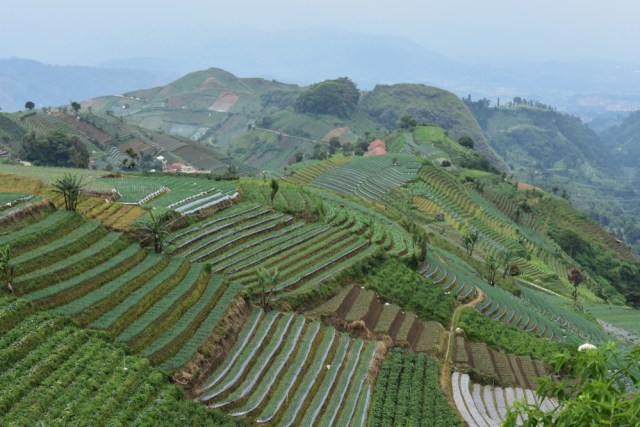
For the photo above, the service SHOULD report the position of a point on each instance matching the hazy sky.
(88, 32)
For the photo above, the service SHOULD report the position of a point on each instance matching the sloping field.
(486, 406)
(284, 370)
(508, 369)
(239, 240)
(549, 321)
(383, 319)
(163, 308)
(407, 392)
(53, 372)
(310, 170)
(369, 177)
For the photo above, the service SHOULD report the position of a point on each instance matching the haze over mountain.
(577, 56)
(586, 88)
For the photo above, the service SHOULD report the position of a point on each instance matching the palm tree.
(156, 229)
(69, 186)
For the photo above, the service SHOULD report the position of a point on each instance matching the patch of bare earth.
(224, 102)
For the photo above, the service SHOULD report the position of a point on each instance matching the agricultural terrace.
(184, 194)
(41, 123)
(241, 239)
(438, 190)
(367, 222)
(383, 319)
(285, 370)
(407, 392)
(51, 371)
(370, 177)
(305, 172)
(430, 142)
(162, 308)
(12, 202)
(503, 368)
(487, 406)
(455, 275)
(463, 206)
(618, 316)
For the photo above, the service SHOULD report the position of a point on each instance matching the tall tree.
(267, 284)
(334, 145)
(469, 238)
(491, 262)
(29, 105)
(131, 160)
(75, 106)
(55, 149)
(274, 189)
(408, 122)
(506, 257)
(70, 187)
(575, 278)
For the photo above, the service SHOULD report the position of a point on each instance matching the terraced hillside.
(369, 177)
(241, 239)
(507, 369)
(182, 194)
(383, 319)
(164, 308)
(407, 393)
(486, 406)
(51, 371)
(284, 370)
(530, 313)
(306, 172)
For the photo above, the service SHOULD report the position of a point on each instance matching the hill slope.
(429, 105)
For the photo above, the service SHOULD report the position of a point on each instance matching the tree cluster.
(337, 97)
(55, 149)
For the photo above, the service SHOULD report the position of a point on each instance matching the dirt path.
(445, 378)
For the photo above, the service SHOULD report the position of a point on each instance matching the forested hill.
(558, 152)
(429, 105)
(624, 141)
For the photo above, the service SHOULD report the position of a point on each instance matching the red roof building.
(377, 148)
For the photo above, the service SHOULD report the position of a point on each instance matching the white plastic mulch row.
(487, 406)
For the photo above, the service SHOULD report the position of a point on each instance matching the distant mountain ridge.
(586, 88)
(23, 80)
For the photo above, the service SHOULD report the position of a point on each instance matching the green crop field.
(53, 372)
(361, 315)
(621, 317)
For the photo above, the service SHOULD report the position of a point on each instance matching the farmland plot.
(164, 308)
(369, 177)
(287, 371)
(407, 392)
(53, 372)
(383, 319)
(239, 240)
(485, 405)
